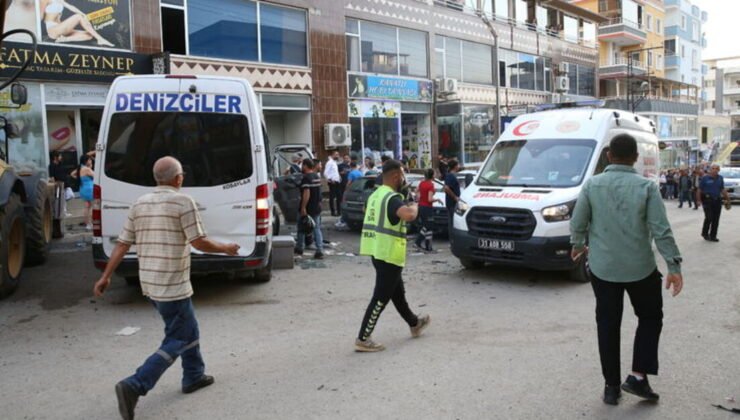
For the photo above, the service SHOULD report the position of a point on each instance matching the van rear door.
(203, 123)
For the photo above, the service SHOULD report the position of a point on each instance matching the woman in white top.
(66, 30)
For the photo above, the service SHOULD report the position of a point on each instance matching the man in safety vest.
(384, 240)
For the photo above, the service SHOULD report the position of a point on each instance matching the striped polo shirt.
(162, 224)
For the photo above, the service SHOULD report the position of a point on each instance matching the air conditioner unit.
(447, 86)
(563, 68)
(337, 135)
(562, 84)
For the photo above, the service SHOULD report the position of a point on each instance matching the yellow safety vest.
(381, 239)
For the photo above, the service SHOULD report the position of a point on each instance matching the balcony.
(619, 68)
(622, 32)
(672, 61)
(732, 91)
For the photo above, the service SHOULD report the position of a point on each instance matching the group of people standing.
(81, 178)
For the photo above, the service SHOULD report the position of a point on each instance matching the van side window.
(603, 162)
(214, 149)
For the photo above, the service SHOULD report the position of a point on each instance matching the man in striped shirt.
(164, 225)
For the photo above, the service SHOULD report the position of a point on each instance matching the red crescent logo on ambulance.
(525, 128)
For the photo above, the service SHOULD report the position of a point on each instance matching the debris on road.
(127, 331)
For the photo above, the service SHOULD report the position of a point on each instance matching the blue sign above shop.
(392, 88)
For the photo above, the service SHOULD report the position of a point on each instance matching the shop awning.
(572, 9)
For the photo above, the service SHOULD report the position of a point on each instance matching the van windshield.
(214, 149)
(537, 163)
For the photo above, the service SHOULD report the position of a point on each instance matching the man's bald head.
(166, 170)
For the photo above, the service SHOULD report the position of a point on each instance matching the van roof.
(579, 123)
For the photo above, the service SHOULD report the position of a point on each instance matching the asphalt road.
(503, 343)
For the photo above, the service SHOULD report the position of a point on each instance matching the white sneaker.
(368, 346)
(88, 227)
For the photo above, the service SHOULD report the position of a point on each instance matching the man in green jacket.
(621, 212)
(384, 240)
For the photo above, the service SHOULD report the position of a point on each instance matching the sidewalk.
(73, 232)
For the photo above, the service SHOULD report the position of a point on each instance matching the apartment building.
(411, 78)
(684, 41)
(634, 76)
(720, 123)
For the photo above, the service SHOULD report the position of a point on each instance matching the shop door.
(64, 136)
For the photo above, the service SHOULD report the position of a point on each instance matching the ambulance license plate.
(495, 244)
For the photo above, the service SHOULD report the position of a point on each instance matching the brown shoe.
(420, 326)
(368, 346)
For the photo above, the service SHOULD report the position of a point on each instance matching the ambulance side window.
(603, 162)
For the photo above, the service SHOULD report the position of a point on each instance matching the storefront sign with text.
(71, 64)
(393, 88)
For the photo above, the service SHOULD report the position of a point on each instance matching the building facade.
(684, 41)
(634, 74)
(70, 73)
(722, 105)
(411, 78)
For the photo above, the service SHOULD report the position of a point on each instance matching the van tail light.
(263, 210)
(97, 219)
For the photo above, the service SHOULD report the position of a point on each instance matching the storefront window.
(449, 127)
(416, 140)
(469, 62)
(527, 74)
(453, 59)
(477, 67)
(479, 133)
(283, 35)
(413, 52)
(385, 49)
(211, 35)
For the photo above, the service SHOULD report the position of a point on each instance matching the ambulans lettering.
(178, 102)
(510, 196)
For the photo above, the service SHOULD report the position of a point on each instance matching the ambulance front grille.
(501, 223)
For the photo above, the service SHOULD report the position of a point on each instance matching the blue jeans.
(181, 339)
(318, 237)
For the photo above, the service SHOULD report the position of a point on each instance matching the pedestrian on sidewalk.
(426, 200)
(163, 225)
(617, 214)
(384, 240)
(85, 176)
(58, 175)
(310, 210)
(452, 192)
(684, 188)
(711, 192)
(334, 180)
(696, 180)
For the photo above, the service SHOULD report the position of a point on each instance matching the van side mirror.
(468, 179)
(18, 94)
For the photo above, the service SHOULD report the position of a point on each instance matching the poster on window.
(62, 134)
(25, 130)
(101, 23)
(374, 109)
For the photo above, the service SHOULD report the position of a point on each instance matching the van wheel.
(12, 246)
(580, 273)
(40, 225)
(133, 281)
(471, 264)
(263, 275)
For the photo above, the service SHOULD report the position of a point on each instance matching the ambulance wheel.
(471, 264)
(13, 246)
(580, 273)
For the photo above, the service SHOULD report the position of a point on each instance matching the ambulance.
(517, 211)
(213, 126)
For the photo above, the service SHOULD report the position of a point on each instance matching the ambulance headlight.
(559, 213)
(461, 208)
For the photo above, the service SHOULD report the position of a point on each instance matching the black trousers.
(647, 301)
(388, 287)
(335, 197)
(712, 210)
(425, 227)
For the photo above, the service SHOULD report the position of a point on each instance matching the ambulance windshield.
(554, 163)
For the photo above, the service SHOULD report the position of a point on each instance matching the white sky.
(721, 28)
